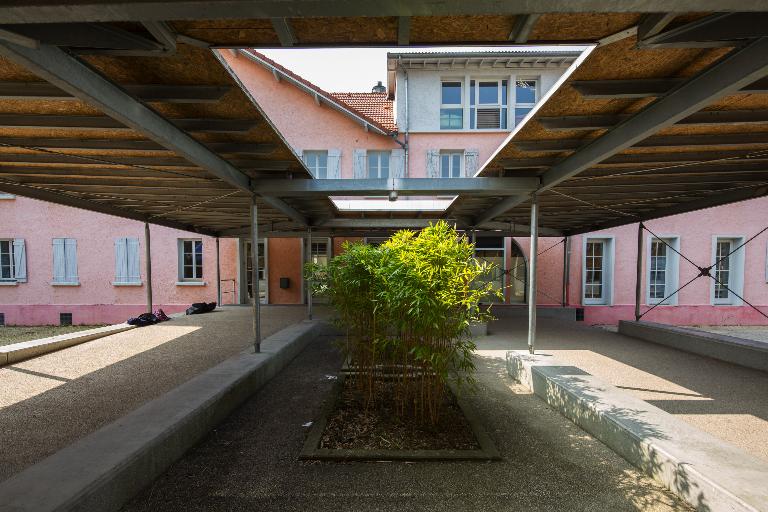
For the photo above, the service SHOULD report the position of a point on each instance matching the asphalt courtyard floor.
(726, 400)
(250, 462)
(50, 401)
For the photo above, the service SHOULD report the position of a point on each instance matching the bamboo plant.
(406, 307)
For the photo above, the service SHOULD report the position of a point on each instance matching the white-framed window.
(488, 99)
(451, 104)
(190, 259)
(728, 270)
(662, 269)
(127, 262)
(317, 162)
(597, 271)
(378, 164)
(7, 272)
(526, 95)
(65, 262)
(450, 164)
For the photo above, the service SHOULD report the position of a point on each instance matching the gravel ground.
(17, 333)
(50, 401)
(750, 332)
(251, 461)
(726, 400)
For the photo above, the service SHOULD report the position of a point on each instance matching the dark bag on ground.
(201, 307)
(161, 316)
(143, 319)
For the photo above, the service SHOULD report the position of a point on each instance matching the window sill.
(9, 283)
(74, 283)
(191, 283)
(126, 283)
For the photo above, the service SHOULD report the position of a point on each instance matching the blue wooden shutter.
(19, 261)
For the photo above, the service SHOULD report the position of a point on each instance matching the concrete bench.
(103, 470)
(16, 352)
(707, 472)
(741, 351)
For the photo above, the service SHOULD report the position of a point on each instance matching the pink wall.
(96, 299)
(696, 231)
(549, 273)
(304, 124)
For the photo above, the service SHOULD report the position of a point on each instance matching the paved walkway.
(251, 461)
(726, 400)
(48, 402)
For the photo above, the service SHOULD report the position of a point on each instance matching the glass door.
(491, 250)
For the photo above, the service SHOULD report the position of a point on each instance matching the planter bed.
(347, 432)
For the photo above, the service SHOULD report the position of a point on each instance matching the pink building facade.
(434, 120)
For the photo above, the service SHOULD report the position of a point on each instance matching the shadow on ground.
(251, 461)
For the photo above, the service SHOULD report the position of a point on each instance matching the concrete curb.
(103, 470)
(16, 352)
(703, 470)
(741, 351)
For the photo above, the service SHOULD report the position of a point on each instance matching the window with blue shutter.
(65, 261)
(127, 262)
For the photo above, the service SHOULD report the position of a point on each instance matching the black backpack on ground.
(201, 307)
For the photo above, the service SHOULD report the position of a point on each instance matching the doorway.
(246, 272)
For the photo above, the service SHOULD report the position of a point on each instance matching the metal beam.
(65, 199)
(721, 29)
(714, 139)
(146, 92)
(285, 208)
(84, 35)
(524, 24)
(61, 158)
(403, 186)
(22, 11)
(403, 30)
(105, 122)
(284, 31)
(77, 78)
(379, 223)
(739, 68)
(599, 122)
(633, 158)
(133, 144)
(532, 274)
(712, 200)
(652, 24)
(645, 87)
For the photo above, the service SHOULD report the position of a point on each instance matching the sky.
(357, 69)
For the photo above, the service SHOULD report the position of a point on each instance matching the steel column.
(532, 273)
(309, 283)
(218, 274)
(639, 275)
(148, 265)
(255, 274)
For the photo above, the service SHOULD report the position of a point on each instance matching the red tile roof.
(373, 107)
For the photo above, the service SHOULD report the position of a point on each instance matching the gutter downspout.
(405, 147)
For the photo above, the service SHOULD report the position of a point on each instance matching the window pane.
(188, 272)
(456, 167)
(373, 164)
(310, 159)
(525, 91)
(445, 166)
(489, 93)
(471, 92)
(451, 118)
(451, 93)
(520, 113)
(504, 92)
(199, 247)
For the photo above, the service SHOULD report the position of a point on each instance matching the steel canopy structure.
(126, 108)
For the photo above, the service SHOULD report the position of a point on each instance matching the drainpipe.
(218, 274)
(566, 268)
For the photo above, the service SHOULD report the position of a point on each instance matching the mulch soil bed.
(351, 427)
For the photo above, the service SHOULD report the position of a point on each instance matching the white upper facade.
(470, 92)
